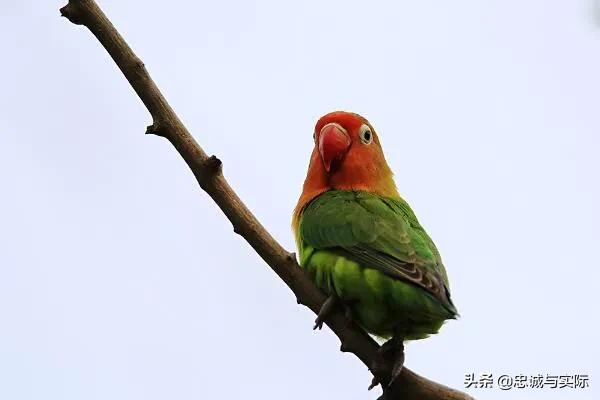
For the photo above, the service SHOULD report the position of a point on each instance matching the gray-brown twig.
(208, 172)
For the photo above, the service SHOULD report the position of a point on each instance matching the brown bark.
(208, 173)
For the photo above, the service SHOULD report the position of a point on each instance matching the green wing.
(379, 233)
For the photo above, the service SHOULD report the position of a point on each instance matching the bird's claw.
(318, 324)
(325, 310)
(389, 355)
(398, 364)
(374, 382)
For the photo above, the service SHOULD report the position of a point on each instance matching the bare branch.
(208, 173)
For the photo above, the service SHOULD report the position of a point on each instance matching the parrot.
(360, 242)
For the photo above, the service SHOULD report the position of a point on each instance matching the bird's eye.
(366, 136)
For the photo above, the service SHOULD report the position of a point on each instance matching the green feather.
(372, 252)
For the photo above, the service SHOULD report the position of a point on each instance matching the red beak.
(334, 143)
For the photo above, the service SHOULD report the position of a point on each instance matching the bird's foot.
(325, 310)
(328, 306)
(374, 382)
(389, 359)
(398, 364)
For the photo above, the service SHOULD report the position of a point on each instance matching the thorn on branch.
(291, 257)
(72, 13)
(157, 129)
(214, 165)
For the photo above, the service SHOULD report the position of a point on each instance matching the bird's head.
(347, 155)
(344, 141)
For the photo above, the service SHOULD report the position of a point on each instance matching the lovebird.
(361, 243)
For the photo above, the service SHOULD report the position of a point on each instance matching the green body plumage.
(373, 254)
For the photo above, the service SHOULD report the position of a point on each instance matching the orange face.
(348, 151)
(347, 156)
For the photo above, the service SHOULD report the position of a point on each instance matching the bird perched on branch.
(362, 244)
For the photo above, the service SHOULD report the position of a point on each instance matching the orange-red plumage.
(362, 168)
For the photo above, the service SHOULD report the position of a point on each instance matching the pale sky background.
(120, 279)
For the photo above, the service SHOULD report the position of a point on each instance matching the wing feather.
(378, 233)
